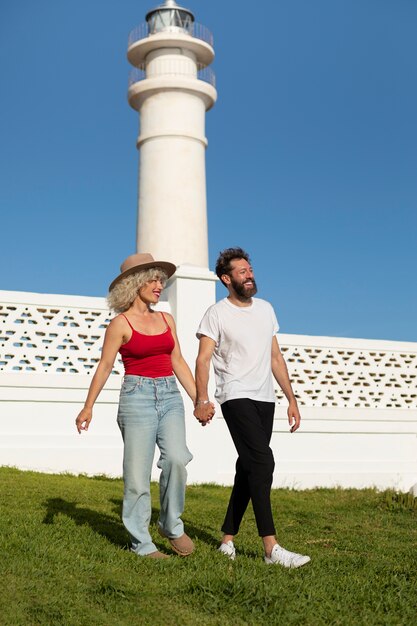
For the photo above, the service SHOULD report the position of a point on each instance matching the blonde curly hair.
(123, 294)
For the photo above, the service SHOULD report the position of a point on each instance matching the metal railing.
(196, 30)
(205, 74)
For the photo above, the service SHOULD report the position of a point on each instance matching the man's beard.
(243, 292)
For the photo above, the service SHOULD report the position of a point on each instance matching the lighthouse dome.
(170, 17)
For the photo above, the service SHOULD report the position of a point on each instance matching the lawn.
(65, 559)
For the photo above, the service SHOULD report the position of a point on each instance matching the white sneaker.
(228, 549)
(286, 558)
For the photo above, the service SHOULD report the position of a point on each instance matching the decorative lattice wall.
(343, 377)
(65, 339)
(55, 340)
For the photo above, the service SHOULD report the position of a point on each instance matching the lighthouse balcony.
(193, 37)
(192, 29)
(205, 74)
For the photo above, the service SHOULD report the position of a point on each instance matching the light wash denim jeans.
(151, 412)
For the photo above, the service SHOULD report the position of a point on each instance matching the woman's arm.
(179, 365)
(113, 339)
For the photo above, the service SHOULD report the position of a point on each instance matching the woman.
(150, 410)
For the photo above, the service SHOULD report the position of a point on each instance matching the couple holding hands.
(237, 334)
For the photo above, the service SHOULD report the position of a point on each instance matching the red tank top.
(148, 355)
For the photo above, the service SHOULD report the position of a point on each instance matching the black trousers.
(250, 424)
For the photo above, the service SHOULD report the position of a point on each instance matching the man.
(239, 334)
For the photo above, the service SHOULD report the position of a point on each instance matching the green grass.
(64, 559)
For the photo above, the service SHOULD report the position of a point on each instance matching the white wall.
(358, 398)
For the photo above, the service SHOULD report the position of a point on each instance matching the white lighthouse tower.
(172, 87)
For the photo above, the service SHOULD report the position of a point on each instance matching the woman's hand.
(83, 419)
(204, 412)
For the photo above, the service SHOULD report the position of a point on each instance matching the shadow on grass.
(203, 535)
(101, 523)
(106, 526)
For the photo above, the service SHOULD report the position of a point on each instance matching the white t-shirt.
(242, 355)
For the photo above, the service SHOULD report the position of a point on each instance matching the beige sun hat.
(141, 261)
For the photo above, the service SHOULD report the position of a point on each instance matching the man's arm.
(280, 372)
(203, 410)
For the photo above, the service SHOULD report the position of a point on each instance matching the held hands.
(204, 411)
(83, 419)
(294, 417)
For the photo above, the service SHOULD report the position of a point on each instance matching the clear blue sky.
(311, 163)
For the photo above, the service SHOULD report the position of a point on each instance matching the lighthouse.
(172, 87)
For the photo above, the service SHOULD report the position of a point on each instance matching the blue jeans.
(151, 412)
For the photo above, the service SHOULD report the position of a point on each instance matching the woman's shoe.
(157, 555)
(181, 545)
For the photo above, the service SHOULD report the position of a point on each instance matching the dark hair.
(225, 258)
